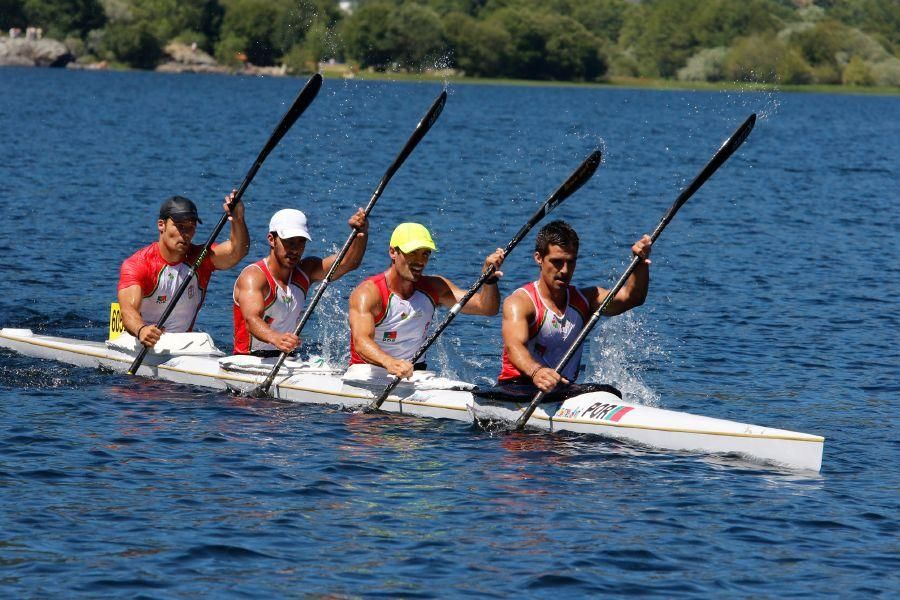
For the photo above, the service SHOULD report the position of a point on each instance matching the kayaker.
(390, 312)
(269, 295)
(152, 275)
(542, 318)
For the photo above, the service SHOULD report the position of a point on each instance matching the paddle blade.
(724, 152)
(422, 128)
(433, 113)
(577, 179)
(299, 106)
(739, 136)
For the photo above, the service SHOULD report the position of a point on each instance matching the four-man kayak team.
(390, 312)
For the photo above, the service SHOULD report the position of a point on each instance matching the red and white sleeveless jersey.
(283, 309)
(403, 323)
(550, 335)
(159, 280)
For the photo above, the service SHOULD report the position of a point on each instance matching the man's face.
(410, 265)
(288, 251)
(557, 266)
(176, 235)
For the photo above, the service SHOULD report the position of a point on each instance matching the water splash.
(620, 352)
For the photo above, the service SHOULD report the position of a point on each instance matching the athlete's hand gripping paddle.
(577, 179)
(725, 151)
(301, 103)
(421, 129)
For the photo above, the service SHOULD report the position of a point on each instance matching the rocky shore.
(181, 58)
(22, 52)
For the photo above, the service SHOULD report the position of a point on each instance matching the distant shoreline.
(626, 83)
(611, 83)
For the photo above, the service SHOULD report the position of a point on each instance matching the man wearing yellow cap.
(390, 312)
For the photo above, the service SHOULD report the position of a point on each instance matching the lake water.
(774, 301)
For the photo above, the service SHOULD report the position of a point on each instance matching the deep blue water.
(774, 301)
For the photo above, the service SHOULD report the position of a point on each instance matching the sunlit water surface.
(774, 301)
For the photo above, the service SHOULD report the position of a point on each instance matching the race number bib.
(116, 324)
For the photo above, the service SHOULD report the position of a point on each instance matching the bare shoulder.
(313, 267)
(251, 274)
(365, 296)
(250, 284)
(435, 283)
(594, 295)
(439, 288)
(520, 302)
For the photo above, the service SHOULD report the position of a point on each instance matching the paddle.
(577, 179)
(724, 152)
(416, 137)
(301, 103)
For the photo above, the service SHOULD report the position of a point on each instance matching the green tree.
(821, 43)
(12, 14)
(445, 7)
(318, 45)
(528, 41)
(767, 59)
(253, 26)
(720, 22)
(480, 48)
(603, 18)
(545, 46)
(857, 72)
(365, 34)
(61, 17)
(131, 43)
(573, 52)
(660, 37)
(881, 17)
(414, 36)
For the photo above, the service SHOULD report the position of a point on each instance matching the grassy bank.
(616, 82)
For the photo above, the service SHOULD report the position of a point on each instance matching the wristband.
(536, 369)
(140, 329)
(492, 280)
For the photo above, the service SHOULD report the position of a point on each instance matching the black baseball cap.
(178, 208)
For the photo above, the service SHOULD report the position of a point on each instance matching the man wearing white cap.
(390, 312)
(269, 294)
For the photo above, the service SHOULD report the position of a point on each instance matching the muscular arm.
(486, 302)
(230, 252)
(317, 268)
(634, 292)
(130, 299)
(365, 304)
(518, 311)
(250, 291)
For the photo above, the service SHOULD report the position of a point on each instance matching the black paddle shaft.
(724, 152)
(421, 129)
(300, 104)
(577, 179)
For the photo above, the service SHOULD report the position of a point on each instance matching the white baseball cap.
(288, 223)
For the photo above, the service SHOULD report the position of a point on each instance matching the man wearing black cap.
(149, 278)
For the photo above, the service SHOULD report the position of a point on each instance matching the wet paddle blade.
(722, 154)
(300, 104)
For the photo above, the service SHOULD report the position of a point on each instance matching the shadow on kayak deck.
(524, 392)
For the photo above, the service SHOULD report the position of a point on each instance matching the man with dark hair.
(150, 276)
(269, 295)
(542, 318)
(557, 233)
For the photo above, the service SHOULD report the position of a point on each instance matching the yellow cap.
(411, 236)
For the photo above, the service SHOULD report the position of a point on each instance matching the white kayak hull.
(597, 412)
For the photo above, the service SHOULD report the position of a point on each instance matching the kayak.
(193, 359)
